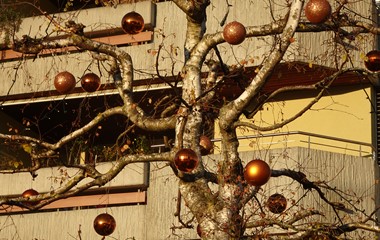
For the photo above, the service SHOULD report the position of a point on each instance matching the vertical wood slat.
(376, 125)
(154, 219)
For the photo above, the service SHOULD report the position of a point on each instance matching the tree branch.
(323, 85)
(70, 188)
(307, 184)
(235, 108)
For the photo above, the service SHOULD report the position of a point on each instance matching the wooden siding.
(154, 219)
(120, 39)
(97, 200)
(37, 74)
(133, 176)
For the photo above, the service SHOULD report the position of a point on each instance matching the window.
(51, 120)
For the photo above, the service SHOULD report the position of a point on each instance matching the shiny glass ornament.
(29, 193)
(257, 172)
(186, 160)
(132, 23)
(317, 11)
(64, 82)
(372, 61)
(90, 82)
(276, 203)
(234, 33)
(104, 224)
(206, 145)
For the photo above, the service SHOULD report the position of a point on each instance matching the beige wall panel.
(154, 220)
(50, 178)
(63, 225)
(161, 206)
(95, 19)
(353, 175)
(318, 48)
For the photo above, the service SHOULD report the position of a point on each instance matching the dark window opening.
(30, 8)
(50, 121)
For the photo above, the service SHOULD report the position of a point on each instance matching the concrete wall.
(155, 219)
(168, 24)
(50, 178)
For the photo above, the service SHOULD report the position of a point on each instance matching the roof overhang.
(290, 74)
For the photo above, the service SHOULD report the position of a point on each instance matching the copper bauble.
(317, 11)
(257, 172)
(29, 193)
(90, 82)
(276, 203)
(104, 224)
(186, 160)
(132, 23)
(372, 61)
(64, 82)
(234, 33)
(206, 145)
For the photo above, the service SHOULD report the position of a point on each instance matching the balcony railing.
(363, 149)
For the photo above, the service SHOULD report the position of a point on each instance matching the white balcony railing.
(312, 140)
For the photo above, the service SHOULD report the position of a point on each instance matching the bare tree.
(219, 212)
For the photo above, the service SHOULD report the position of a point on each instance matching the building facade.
(335, 141)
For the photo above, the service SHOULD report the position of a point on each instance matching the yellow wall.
(344, 113)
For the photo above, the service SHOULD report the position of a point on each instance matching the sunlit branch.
(93, 123)
(323, 85)
(354, 226)
(302, 215)
(26, 139)
(131, 109)
(307, 184)
(72, 187)
(236, 107)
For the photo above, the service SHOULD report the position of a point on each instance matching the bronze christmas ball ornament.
(186, 160)
(372, 61)
(276, 203)
(29, 193)
(257, 172)
(104, 224)
(132, 23)
(90, 82)
(64, 82)
(317, 11)
(234, 33)
(206, 145)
